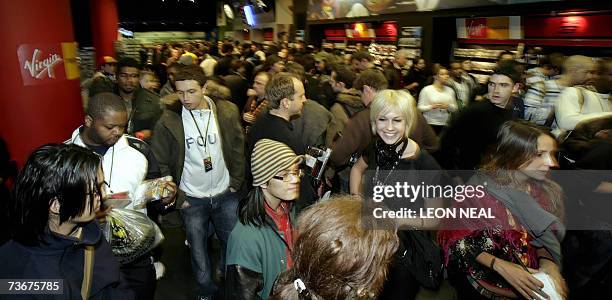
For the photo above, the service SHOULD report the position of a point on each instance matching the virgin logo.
(476, 29)
(39, 68)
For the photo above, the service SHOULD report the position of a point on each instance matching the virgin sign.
(476, 28)
(39, 68)
(41, 63)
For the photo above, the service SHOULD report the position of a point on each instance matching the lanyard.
(205, 137)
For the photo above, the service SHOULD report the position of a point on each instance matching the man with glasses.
(259, 247)
(126, 162)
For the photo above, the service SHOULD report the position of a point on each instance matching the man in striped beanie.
(259, 247)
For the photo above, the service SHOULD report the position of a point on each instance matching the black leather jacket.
(242, 283)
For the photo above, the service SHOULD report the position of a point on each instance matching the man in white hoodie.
(126, 162)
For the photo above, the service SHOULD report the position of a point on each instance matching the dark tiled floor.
(179, 282)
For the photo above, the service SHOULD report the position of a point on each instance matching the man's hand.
(171, 187)
(143, 134)
(251, 93)
(185, 205)
(442, 106)
(603, 134)
(102, 213)
(412, 86)
(248, 117)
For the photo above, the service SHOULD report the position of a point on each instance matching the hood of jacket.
(350, 98)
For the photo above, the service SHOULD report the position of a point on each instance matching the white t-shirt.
(430, 95)
(208, 65)
(195, 181)
(569, 112)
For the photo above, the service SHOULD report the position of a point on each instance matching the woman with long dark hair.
(53, 232)
(497, 258)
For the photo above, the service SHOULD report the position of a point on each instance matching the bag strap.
(87, 272)
(580, 97)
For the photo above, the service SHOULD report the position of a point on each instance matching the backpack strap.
(88, 264)
(580, 97)
(346, 110)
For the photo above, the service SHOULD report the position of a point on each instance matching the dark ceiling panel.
(149, 15)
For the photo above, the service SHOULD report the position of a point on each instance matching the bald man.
(577, 70)
(578, 104)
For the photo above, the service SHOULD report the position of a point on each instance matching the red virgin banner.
(571, 26)
(476, 28)
(47, 63)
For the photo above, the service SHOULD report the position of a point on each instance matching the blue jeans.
(221, 211)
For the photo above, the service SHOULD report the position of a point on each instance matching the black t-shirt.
(101, 150)
(470, 133)
(278, 129)
(420, 169)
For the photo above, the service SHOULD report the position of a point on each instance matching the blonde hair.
(394, 100)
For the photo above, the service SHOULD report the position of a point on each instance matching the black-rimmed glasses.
(287, 177)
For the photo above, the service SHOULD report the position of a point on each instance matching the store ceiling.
(154, 15)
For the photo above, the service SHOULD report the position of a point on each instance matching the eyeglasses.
(102, 190)
(287, 177)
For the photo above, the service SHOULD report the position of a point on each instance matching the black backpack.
(422, 256)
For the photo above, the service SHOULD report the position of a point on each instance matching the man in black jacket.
(471, 132)
(144, 108)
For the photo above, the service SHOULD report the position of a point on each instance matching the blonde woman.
(387, 158)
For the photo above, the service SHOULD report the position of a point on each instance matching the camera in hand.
(316, 160)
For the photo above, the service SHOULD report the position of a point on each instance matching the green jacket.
(259, 250)
(168, 143)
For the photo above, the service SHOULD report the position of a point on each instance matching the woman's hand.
(552, 270)
(525, 283)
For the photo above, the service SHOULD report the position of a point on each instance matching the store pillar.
(40, 100)
(104, 27)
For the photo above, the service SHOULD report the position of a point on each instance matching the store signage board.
(570, 26)
(495, 28)
(336, 9)
(476, 28)
(47, 63)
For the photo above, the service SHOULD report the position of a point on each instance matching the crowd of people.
(235, 125)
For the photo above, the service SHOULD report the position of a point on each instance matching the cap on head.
(270, 157)
(109, 60)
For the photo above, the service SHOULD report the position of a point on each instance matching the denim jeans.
(221, 211)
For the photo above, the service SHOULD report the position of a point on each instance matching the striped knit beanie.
(270, 157)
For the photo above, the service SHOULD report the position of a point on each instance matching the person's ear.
(88, 121)
(516, 87)
(285, 103)
(55, 206)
